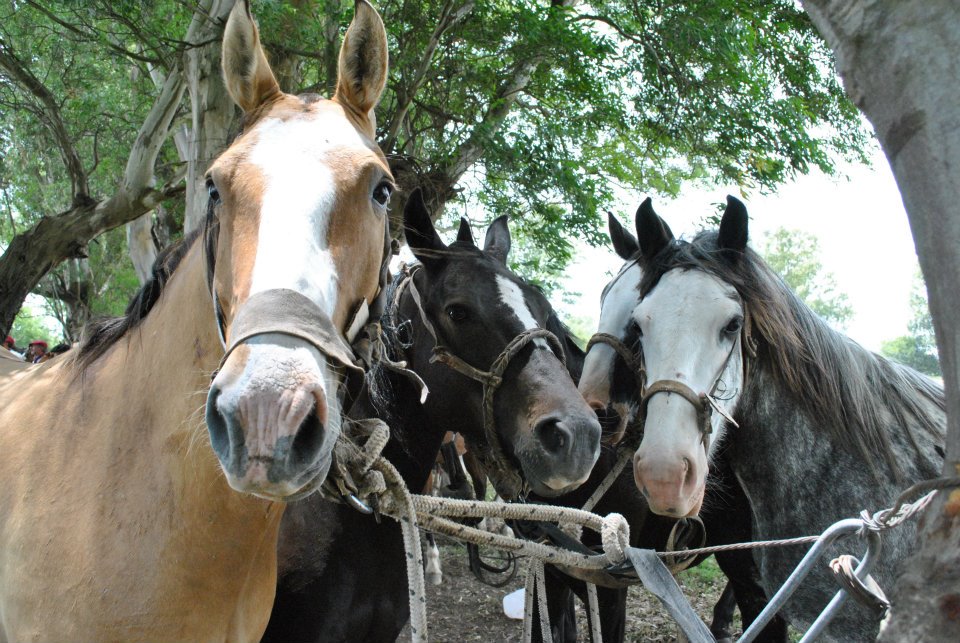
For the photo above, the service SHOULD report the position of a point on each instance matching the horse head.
(494, 372)
(675, 362)
(295, 236)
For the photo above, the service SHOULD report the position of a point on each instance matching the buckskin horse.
(117, 520)
(814, 427)
(343, 573)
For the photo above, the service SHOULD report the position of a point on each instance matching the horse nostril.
(217, 423)
(554, 437)
(308, 439)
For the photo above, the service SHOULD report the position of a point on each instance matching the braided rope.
(376, 478)
(902, 509)
(596, 635)
(536, 585)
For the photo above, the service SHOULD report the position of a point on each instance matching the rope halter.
(703, 403)
(507, 479)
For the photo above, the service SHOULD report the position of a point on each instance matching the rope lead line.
(364, 473)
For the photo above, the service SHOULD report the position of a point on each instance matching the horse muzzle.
(270, 421)
(560, 453)
(273, 409)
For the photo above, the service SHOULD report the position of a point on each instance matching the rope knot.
(615, 535)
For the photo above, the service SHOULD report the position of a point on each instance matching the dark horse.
(343, 574)
(824, 428)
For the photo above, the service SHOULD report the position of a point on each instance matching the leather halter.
(287, 312)
(506, 478)
(703, 403)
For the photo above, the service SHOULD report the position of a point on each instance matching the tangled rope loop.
(904, 509)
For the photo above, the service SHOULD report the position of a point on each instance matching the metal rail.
(833, 533)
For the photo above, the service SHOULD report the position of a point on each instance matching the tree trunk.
(140, 246)
(32, 254)
(212, 112)
(898, 63)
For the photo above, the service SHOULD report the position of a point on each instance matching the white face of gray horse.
(688, 330)
(690, 327)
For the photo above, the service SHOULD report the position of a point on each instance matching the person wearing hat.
(35, 351)
(9, 344)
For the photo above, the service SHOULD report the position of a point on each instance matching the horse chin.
(548, 490)
(288, 491)
(684, 509)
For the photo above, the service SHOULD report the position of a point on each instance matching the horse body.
(354, 586)
(826, 428)
(800, 480)
(123, 511)
(117, 520)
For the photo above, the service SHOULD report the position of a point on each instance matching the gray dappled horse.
(825, 427)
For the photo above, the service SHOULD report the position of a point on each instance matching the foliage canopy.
(544, 111)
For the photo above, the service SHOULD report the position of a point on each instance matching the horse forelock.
(845, 389)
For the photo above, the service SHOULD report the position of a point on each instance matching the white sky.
(860, 222)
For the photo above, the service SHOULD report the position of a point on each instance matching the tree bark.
(35, 252)
(212, 113)
(140, 246)
(897, 59)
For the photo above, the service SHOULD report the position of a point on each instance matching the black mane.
(100, 334)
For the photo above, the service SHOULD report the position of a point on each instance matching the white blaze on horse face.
(298, 199)
(283, 379)
(683, 320)
(512, 297)
(621, 297)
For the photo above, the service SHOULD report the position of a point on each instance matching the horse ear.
(624, 243)
(421, 236)
(464, 235)
(733, 227)
(362, 71)
(653, 233)
(246, 72)
(497, 241)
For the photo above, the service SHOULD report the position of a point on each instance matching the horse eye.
(381, 193)
(635, 325)
(733, 326)
(457, 313)
(212, 191)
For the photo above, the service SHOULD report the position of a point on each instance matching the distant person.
(9, 344)
(59, 349)
(35, 351)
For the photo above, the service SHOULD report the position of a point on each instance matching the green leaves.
(546, 113)
(795, 256)
(918, 349)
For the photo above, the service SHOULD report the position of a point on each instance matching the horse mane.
(100, 334)
(845, 389)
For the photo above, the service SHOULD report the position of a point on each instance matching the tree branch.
(50, 116)
(472, 149)
(449, 16)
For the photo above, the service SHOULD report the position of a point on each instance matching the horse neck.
(800, 475)
(161, 369)
(415, 432)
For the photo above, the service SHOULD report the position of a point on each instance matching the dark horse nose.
(571, 442)
(284, 457)
(555, 437)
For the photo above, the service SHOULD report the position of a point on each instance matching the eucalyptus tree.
(898, 59)
(545, 110)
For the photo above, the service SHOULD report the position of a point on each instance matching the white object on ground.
(513, 604)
